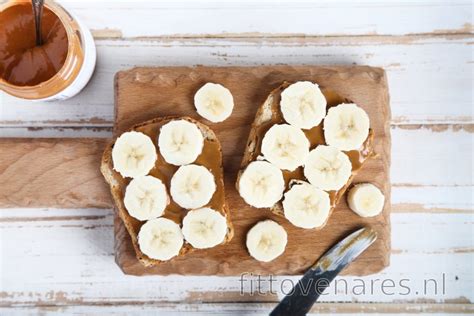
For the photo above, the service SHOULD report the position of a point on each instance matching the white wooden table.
(61, 260)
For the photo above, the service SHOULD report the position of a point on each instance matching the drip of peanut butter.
(22, 63)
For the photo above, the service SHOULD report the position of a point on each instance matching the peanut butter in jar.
(56, 70)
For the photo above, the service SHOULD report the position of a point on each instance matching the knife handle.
(304, 294)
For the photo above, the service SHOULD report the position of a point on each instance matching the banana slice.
(192, 186)
(285, 146)
(146, 198)
(366, 200)
(160, 239)
(180, 142)
(266, 240)
(303, 105)
(261, 184)
(346, 127)
(133, 154)
(327, 168)
(306, 206)
(214, 102)
(204, 228)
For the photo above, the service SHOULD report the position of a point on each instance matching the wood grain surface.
(145, 93)
(52, 172)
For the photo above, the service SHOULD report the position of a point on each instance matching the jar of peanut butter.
(56, 70)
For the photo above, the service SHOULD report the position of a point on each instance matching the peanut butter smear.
(210, 157)
(22, 63)
(315, 136)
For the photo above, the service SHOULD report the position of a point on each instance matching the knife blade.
(300, 300)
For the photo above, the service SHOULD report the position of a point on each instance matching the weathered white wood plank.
(56, 132)
(429, 77)
(226, 18)
(408, 198)
(247, 308)
(66, 259)
(428, 156)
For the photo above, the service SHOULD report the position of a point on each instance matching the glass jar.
(78, 66)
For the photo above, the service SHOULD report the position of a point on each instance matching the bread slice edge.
(112, 178)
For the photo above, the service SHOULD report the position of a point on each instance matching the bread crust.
(266, 113)
(117, 186)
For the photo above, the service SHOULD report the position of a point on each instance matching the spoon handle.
(38, 13)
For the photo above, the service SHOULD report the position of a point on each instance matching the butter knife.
(318, 277)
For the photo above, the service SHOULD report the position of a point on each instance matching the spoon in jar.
(38, 13)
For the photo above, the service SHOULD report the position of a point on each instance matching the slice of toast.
(210, 157)
(269, 114)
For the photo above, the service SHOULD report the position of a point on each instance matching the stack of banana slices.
(285, 148)
(192, 187)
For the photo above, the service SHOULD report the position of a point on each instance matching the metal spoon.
(38, 13)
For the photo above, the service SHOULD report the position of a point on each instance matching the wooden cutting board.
(65, 172)
(52, 172)
(145, 93)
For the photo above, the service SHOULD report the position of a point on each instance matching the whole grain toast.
(211, 158)
(269, 114)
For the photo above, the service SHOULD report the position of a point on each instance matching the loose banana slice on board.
(366, 200)
(214, 102)
(266, 240)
